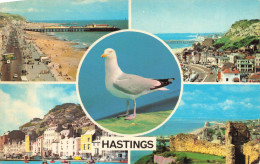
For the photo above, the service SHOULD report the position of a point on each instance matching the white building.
(196, 58)
(69, 147)
(50, 135)
(230, 76)
(55, 148)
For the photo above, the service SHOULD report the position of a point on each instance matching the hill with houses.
(65, 114)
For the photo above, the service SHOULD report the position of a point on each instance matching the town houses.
(58, 142)
(204, 62)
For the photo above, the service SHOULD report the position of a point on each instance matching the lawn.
(190, 158)
(200, 158)
(142, 123)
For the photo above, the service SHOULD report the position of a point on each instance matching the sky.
(226, 102)
(37, 10)
(23, 102)
(191, 16)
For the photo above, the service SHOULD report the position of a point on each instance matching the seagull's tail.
(164, 82)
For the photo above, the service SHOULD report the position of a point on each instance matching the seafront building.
(58, 143)
(215, 62)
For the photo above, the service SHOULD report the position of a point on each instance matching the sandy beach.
(64, 58)
(179, 50)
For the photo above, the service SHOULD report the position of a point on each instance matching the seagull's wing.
(134, 85)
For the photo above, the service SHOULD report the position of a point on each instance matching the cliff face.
(61, 114)
(244, 28)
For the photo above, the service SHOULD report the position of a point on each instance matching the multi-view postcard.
(130, 81)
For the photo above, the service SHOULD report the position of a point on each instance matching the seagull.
(128, 86)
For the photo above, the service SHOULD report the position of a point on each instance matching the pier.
(86, 28)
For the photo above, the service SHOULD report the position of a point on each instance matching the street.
(15, 66)
(204, 73)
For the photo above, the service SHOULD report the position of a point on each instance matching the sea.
(84, 39)
(181, 36)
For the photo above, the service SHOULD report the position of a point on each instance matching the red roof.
(235, 71)
(250, 57)
(255, 76)
(228, 71)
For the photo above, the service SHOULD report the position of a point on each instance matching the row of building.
(231, 66)
(57, 142)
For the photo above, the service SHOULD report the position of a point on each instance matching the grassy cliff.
(11, 17)
(242, 33)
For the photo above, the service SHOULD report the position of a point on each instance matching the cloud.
(21, 103)
(4, 1)
(228, 104)
(239, 88)
(182, 103)
(13, 10)
(32, 10)
(7, 10)
(16, 112)
(203, 106)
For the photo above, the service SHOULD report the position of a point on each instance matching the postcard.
(129, 81)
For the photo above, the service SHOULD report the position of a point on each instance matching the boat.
(44, 162)
(52, 161)
(64, 161)
(123, 161)
(25, 161)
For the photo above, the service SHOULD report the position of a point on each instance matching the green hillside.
(241, 34)
(11, 17)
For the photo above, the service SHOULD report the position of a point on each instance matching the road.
(204, 73)
(15, 67)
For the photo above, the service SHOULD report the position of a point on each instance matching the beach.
(64, 58)
(179, 50)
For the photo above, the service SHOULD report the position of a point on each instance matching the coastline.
(64, 58)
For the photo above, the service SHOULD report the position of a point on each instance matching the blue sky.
(226, 102)
(68, 9)
(20, 103)
(191, 16)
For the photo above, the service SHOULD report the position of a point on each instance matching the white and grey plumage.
(128, 86)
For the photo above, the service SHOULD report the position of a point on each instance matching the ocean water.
(85, 39)
(180, 36)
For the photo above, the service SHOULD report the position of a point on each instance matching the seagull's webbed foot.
(130, 117)
(123, 115)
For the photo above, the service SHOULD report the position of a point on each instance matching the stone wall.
(163, 160)
(237, 134)
(252, 152)
(189, 142)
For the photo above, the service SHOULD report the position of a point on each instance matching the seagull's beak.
(104, 55)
